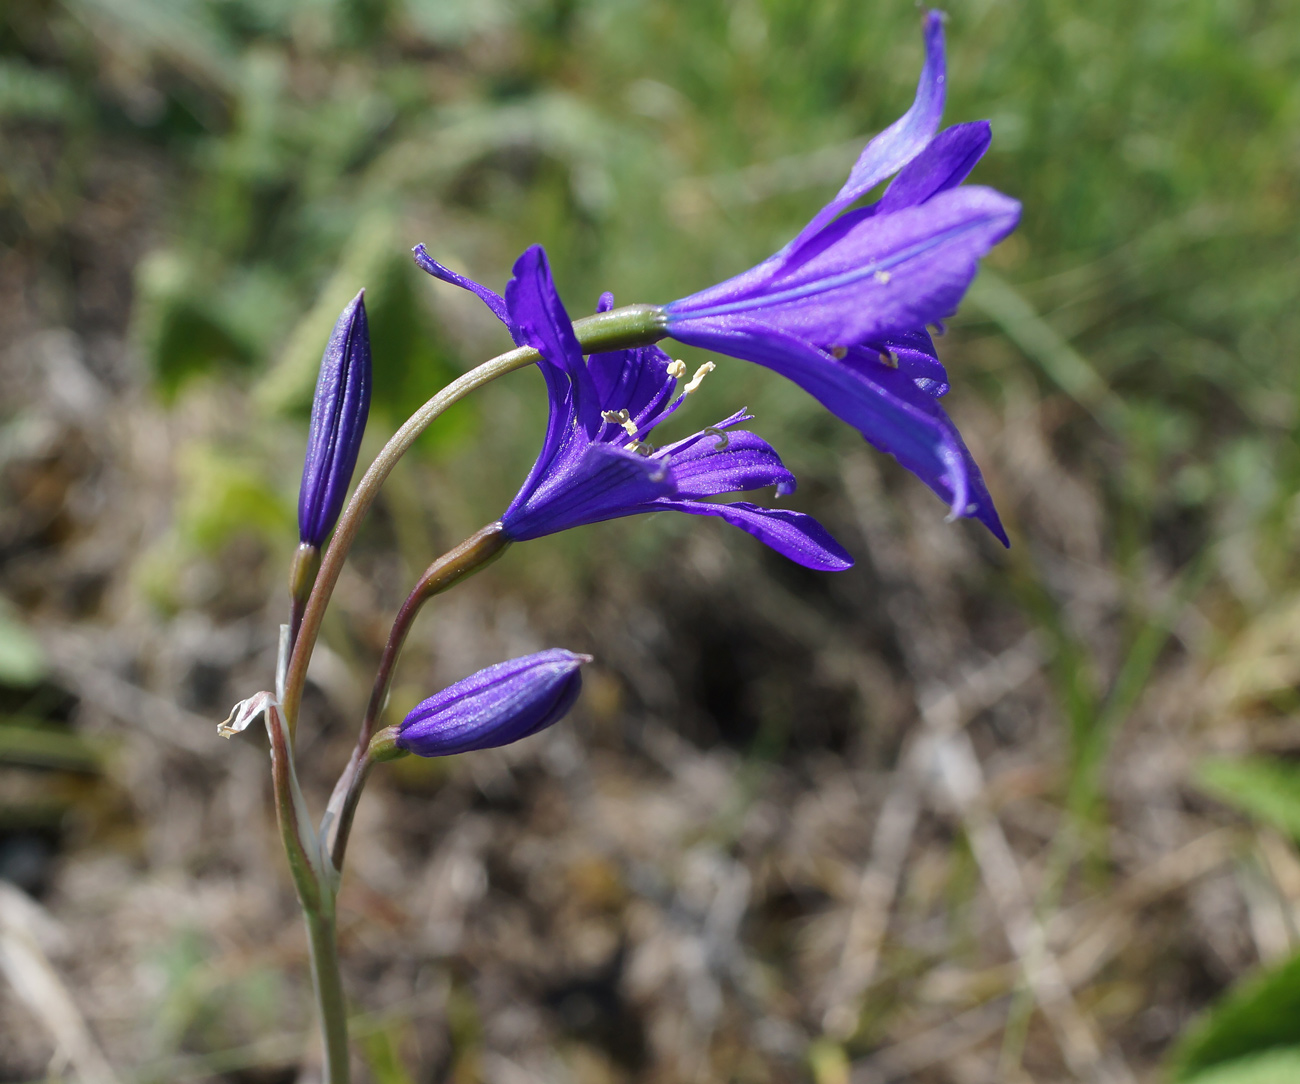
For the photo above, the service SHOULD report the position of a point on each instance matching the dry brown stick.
(1103, 925)
(907, 1057)
(958, 773)
(72, 658)
(941, 713)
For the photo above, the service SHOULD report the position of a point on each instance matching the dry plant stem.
(475, 553)
(633, 325)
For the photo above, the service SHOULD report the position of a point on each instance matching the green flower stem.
(328, 984)
(316, 887)
(475, 553)
(634, 325)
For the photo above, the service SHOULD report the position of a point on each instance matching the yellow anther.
(883, 277)
(640, 447)
(698, 379)
(677, 369)
(724, 438)
(889, 358)
(839, 352)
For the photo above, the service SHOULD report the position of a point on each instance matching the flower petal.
(710, 463)
(888, 409)
(889, 272)
(944, 164)
(605, 483)
(541, 320)
(884, 155)
(898, 144)
(490, 298)
(561, 424)
(792, 534)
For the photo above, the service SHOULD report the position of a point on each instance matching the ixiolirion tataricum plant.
(842, 311)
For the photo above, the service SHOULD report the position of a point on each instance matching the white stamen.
(677, 369)
(889, 358)
(883, 277)
(620, 417)
(699, 376)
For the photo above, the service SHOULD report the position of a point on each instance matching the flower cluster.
(842, 311)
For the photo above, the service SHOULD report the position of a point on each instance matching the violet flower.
(596, 461)
(338, 420)
(496, 706)
(842, 309)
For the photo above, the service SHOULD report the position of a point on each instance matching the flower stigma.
(724, 438)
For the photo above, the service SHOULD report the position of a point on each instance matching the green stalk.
(328, 986)
(475, 553)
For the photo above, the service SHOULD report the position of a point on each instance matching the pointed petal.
(536, 311)
(902, 270)
(710, 463)
(944, 164)
(490, 298)
(889, 411)
(884, 155)
(792, 534)
(605, 483)
(898, 144)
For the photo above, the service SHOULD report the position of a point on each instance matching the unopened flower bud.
(338, 420)
(496, 706)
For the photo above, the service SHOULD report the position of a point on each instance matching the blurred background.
(956, 815)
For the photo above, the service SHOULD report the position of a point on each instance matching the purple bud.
(338, 419)
(496, 706)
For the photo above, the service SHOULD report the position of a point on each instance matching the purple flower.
(842, 309)
(338, 420)
(496, 706)
(596, 461)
